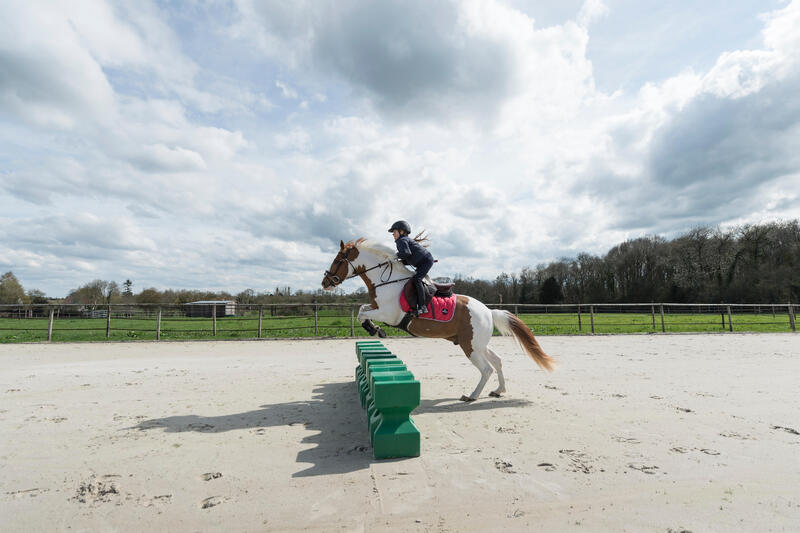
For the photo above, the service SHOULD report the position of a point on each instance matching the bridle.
(341, 259)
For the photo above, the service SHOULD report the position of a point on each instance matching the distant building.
(205, 308)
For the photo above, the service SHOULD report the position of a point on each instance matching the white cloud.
(297, 139)
(466, 118)
(591, 11)
(286, 90)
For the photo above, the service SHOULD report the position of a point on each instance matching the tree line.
(754, 263)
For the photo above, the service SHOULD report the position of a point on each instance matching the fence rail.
(73, 322)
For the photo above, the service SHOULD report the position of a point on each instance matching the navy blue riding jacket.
(414, 254)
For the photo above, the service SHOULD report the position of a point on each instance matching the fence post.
(158, 324)
(591, 315)
(663, 325)
(50, 326)
(730, 319)
(653, 314)
(791, 316)
(108, 321)
(722, 314)
(773, 311)
(352, 322)
(316, 318)
(260, 315)
(214, 316)
(579, 317)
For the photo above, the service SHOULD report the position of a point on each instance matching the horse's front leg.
(365, 315)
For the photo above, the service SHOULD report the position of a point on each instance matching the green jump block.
(365, 344)
(392, 431)
(375, 365)
(378, 362)
(397, 391)
(396, 437)
(382, 373)
(360, 369)
(389, 393)
(372, 352)
(376, 344)
(364, 390)
(373, 357)
(392, 395)
(369, 356)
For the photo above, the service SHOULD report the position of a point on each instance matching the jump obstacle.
(388, 392)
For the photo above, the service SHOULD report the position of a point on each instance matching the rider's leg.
(422, 271)
(421, 308)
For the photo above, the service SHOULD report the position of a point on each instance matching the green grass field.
(332, 325)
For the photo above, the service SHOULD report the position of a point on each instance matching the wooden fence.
(65, 322)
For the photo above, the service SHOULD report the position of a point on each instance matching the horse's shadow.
(333, 413)
(454, 405)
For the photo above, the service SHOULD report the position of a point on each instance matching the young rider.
(412, 253)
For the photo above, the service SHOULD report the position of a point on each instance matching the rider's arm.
(403, 249)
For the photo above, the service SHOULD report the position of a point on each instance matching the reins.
(391, 271)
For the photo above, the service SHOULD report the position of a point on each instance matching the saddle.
(443, 290)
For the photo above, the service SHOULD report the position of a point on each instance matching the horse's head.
(341, 266)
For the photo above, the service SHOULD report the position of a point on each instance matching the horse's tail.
(509, 324)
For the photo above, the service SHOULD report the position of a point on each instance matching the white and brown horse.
(472, 324)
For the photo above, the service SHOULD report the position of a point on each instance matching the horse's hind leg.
(479, 360)
(497, 364)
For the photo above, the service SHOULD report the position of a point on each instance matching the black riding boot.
(421, 307)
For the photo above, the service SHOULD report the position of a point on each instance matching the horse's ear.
(341, 245)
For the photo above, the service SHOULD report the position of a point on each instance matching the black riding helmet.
(401, 225)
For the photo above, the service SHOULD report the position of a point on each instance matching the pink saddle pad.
(439, 309)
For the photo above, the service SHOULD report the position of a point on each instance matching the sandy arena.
(631, 433)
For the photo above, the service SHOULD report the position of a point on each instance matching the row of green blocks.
(388, 392)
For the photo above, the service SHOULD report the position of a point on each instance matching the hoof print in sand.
(579, 461)
(208, 476)
(644, 468)
(93, 491)
(734, 435)
(212, 501)
(787, 430)
(504, 466)
(548, 467)
(32, 493)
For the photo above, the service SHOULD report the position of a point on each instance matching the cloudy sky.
(232, 144)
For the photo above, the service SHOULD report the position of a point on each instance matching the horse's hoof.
(493, 394)
(467, 399)
(381, 333)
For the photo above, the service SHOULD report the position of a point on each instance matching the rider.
(413, 253)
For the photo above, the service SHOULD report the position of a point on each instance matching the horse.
(471, 326)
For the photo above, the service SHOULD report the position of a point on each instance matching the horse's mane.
(381, 250)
